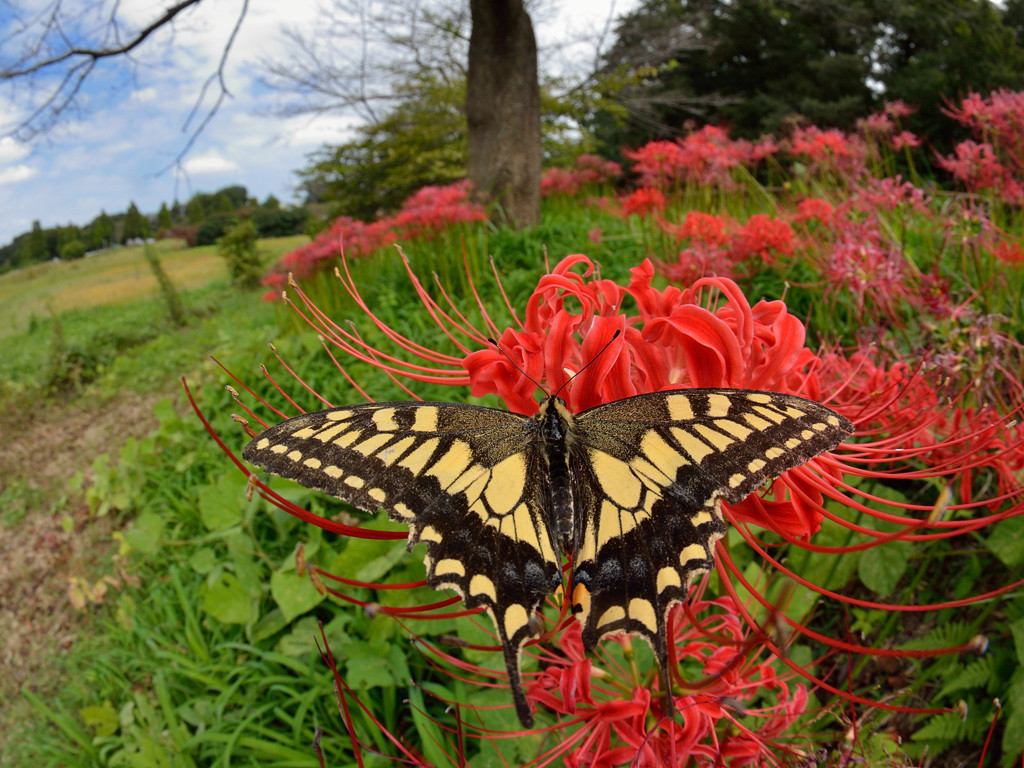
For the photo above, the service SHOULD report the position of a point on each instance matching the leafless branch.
(61, 49)
(360, 53)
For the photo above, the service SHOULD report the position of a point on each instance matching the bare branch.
(55, 63)
(97, 53)
(360, 53)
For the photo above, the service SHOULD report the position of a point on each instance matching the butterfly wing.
(467, 480)
(650, 474)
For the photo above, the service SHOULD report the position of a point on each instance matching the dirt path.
(43, 448)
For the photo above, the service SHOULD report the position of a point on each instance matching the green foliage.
(275, 221)
(752, 64)
(72, 249)
(163, 218)
(101, 232)
(213, 228)
(421, 142)
(135, 225)
(175, 307)
(238, 247)
(195, 212)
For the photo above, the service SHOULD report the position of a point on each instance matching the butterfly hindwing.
(653, 472)
(460, 477)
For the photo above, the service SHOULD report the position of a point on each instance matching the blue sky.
(131, 128)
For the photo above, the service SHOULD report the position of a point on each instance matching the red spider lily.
(423, 215)
(705, 156)
(829, 150)
(718, 248)
(708, 335)
(979, 168)
(764, 237)
(590, 170)
(906, 140)
(643, 202)
(999, 120)
(1008, 253)
(815, 209)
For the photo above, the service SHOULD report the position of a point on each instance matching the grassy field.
(111, 278)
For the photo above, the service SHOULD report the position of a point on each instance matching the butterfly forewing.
(653, 470)
(458, 476)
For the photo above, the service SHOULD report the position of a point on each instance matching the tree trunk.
(503, 110)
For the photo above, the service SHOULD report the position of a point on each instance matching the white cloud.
(16, 173)
(145, 94)
(211, 162)
(11, 150)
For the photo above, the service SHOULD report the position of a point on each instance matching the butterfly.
(631, 490)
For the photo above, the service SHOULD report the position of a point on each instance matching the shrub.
(213, 228)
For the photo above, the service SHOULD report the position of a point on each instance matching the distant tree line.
(200, 221)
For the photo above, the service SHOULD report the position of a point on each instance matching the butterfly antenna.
(567, 381)
(516, 366)
(587, 364)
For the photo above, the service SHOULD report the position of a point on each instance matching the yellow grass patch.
(112, 277)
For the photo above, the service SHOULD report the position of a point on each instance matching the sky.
(121, 145)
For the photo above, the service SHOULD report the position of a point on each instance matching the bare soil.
(43, 447)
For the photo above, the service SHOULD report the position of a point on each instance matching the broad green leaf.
(203, 560)
(294, 594)
(881, 568)
(301, 640)
(268, 625)
(144, 536)
(1017, 630)
(367, 559)
(1007, 542)
(226, 600)
(101, 719)
(221, 503)
(368, 665)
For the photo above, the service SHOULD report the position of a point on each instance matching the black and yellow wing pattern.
(631, 490)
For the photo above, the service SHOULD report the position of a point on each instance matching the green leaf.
(1013, 736)
(1017, 630)
(367, 559)
(226, 600)
(222, 503)
(1007, 542)
(203, 560)
(881, 568)
(144, 536)
(102, 719)
(269, 625)
(368, 665)
(294, 594)
(301, 641)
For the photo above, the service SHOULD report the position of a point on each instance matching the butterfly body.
(630, 490)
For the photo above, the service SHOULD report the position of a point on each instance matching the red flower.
(765, 237)
(643, 202)
(608, 711)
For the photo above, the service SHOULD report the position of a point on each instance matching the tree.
(506, 138)
(503, 109)
(163, 218)
(34, 248)
(747, 64)
(136, 226)
(195, 213)
(101, 231)
(371, 65)
(929, 59)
